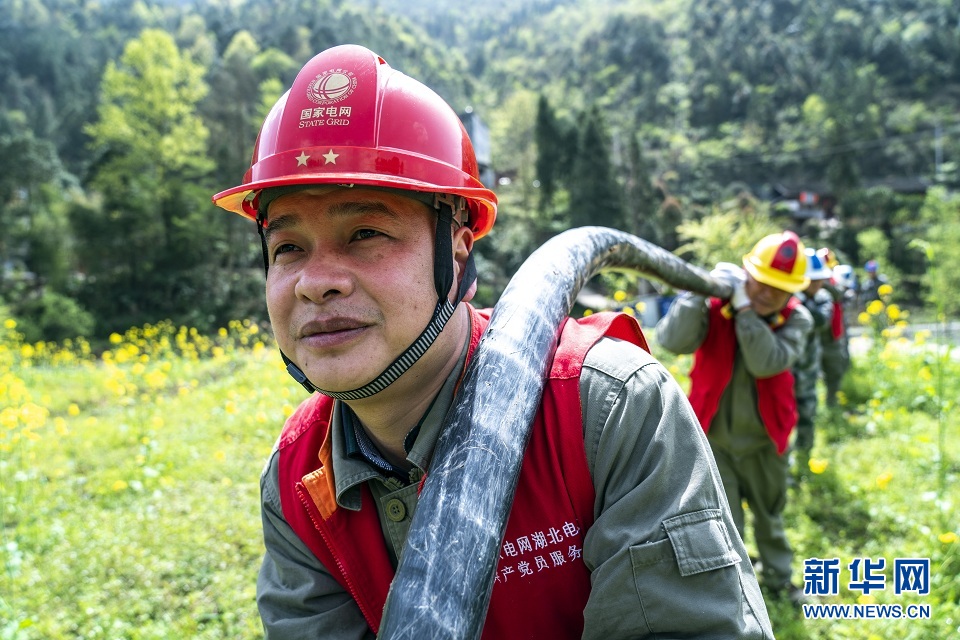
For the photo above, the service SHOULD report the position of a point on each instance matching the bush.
(53, 317)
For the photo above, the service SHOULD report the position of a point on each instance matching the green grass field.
(129, 485)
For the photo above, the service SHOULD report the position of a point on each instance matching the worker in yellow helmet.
(742, 387)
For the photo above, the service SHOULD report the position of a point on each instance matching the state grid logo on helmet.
(331, 86)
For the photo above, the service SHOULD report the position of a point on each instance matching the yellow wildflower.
(73, 409)
(588, 312)
(10, 323)
(155, 379)
(884, 479)
(219, 456)
(948, 538)
(893, 312)
(33, 416)
(817, 465)
(119, 485)
(116, 338)
(875, 308)
(885, 289)
(619, 295)
(863, 318)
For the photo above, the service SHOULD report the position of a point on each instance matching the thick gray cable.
(446, 571)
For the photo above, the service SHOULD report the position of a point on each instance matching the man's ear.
(462, 246)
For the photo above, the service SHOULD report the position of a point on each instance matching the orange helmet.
(778, 260)
(350, 119)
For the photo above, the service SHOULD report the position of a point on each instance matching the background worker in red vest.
(742, 386)
(835, 352)
(365, 189)
(806, 371)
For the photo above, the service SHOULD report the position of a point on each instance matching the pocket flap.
(700, 541)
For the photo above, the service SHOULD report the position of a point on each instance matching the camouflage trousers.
(834, 360)
(805, 376)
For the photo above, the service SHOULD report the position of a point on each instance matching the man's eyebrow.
(362, 207)
(340, 210)
(281, 222)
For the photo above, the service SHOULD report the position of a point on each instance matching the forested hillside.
(118, 120)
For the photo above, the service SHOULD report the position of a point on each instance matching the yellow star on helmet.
(302, 159)
(330, 157)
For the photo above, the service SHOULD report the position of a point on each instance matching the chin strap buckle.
(299, 376)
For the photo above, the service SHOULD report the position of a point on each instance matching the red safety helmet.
(350, 119)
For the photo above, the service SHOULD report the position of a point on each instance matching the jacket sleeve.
(766, 352)
(297, 597)
(664, 554)
(684, 327)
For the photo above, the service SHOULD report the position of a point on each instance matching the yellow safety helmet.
(778, 260)
(828, 257)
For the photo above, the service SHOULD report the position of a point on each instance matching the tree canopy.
(119, 119)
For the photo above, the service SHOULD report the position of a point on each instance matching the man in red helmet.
(742, 388)
(364, 187)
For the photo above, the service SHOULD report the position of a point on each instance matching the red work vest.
(836, 323)
(542, 584)
(713, 369)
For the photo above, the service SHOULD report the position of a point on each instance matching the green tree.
(941, 280)
(641, 196)
(27, 163)
(595, 196)
(727, 233)
(550, 154)
(242, 80)
(147, 240)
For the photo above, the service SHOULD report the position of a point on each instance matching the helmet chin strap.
(443, 280)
